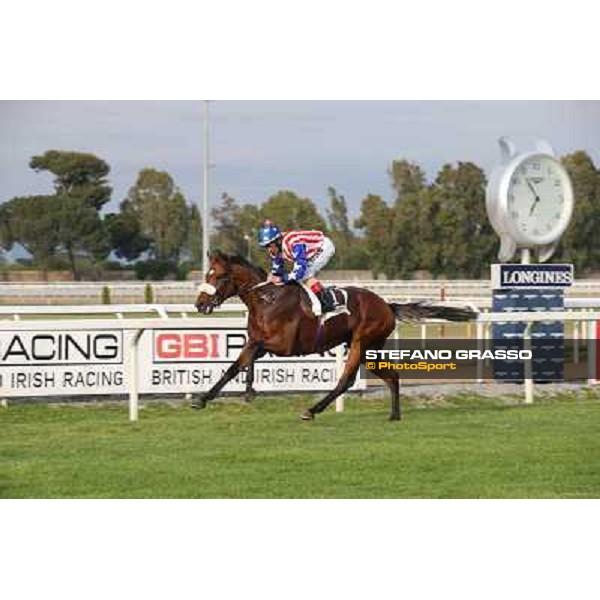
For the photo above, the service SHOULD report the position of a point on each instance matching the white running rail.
(138, 326)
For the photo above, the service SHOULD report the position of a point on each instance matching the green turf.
(460, 448)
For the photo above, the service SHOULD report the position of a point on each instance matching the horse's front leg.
(245, 358)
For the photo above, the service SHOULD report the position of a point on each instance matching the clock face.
(539, 200)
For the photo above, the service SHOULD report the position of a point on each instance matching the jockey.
(309, 251)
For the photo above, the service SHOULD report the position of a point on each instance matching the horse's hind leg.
(393, 382)
(390, 378)
(344, 383)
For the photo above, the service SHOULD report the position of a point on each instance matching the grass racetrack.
(467, 447)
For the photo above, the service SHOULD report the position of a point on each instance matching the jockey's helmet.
(269, 232)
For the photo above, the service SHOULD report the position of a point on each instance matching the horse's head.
(226, 277)
(218, 284)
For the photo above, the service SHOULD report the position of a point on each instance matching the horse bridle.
(211, 290)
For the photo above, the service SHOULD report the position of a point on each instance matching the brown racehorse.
(280, 321)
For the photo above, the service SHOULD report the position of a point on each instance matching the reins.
(243, 292)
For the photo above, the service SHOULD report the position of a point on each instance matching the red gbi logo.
(178, 346)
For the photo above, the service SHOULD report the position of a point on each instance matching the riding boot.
(325, 300)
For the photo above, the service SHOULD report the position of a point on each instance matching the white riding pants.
(320, 260)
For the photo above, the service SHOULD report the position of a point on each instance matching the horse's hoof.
(199, 404)
(248, 398)
(394, 417)
(307, 416)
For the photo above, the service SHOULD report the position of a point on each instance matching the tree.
(581, 242)
(376, 219)
(406, 238)
(80, 230)
(406, 244)
(77, 174)
(249, 220)
(415, 238)
(431, 246)
(47, 226)
(228, 236)
(406, 178)
(463, 228)
(162, 213)
(31, 222)
(358, 256)
(6, 237)
(193, 244)
(339, 227)
(290, 212)
(125, 231)
(66, 222)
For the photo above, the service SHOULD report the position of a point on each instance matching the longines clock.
(529, 200)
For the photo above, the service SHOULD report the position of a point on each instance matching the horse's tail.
(416, 311)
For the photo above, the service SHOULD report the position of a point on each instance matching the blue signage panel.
(531, 288)
(531, 276)
(549, 364)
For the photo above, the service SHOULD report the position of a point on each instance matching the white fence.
(150, 355)
(162, 355)
(185, 291)
(16, 312)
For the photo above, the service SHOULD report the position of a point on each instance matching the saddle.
(339, 297)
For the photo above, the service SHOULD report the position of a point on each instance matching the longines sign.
(54, 363)
(531, 276)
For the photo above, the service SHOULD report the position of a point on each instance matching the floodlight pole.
(205, 216)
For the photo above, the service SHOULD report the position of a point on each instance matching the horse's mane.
(237, 259)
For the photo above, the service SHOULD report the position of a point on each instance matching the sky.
(260, 147)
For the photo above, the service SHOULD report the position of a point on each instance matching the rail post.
(576, 342)
(591, 351)
(396, 338)
(481, 347)
(443, 299)
(133, 375)
(528, 371)
(339, 369)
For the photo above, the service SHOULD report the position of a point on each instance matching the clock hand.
(531, 187)
(537, 198)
